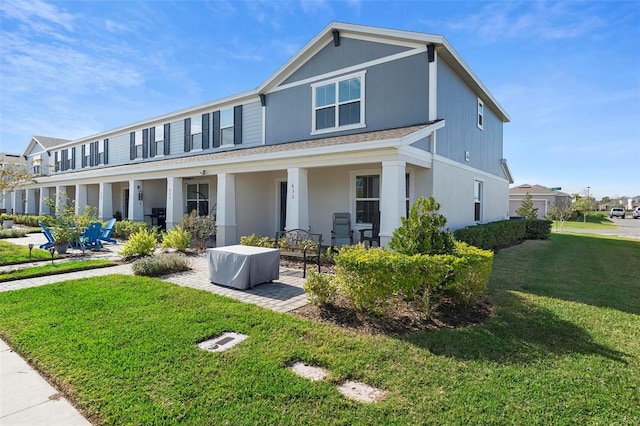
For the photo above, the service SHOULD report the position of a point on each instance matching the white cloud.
(37, 14)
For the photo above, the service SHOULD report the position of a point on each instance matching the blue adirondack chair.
(47, 233)
(107, 231)
(91, 236)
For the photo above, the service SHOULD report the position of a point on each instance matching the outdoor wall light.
(30, 248)
(139, 193)
(52, 250)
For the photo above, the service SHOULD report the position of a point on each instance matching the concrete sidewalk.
(27, 399)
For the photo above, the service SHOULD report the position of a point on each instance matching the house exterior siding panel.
(396, 95)
(119, 149)
(350, 52)
(252, 123)
(457, 103)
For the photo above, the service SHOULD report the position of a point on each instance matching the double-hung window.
(338, 104)
(196, 132)
(138, 143)
(226, 126)
(159, 140)
(198, 198)
(477, 201)
(367, 197)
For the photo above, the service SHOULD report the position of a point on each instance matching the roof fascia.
(31, 143)
(505, 169)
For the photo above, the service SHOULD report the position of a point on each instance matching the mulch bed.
(400, 320)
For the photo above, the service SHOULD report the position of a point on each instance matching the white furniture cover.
(243, 267)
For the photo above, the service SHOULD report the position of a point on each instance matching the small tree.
(526, 209)
(201, 227)
(561, 213)
(11, 176)
(582, 205)
(421, 232)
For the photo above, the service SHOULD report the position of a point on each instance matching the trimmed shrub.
(538, 229)
(125, 228)
(372, 279)
(421, 232)
(257, 241)
(321, 288)
(161, 264)
(12, 233)
(491, 235)
(177, 238)
(142, 243)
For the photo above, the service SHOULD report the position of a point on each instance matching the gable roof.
(383, 35)
(534, 189)
(45, 142)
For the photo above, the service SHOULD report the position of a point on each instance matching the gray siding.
(350, 52)
(457, 104)
(423, 144)
(177, 137)
(252, 123)
(396, 95)
(119, 149)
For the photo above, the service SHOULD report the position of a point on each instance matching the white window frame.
(101, 151)
(480, 116)
(228, 126)
(336, 81)
(478, 196)
(138, 144)
(353, 174)
(159, 143)
(199, 200)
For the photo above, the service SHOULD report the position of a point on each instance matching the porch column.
(298, 199)
(105, 201)
(175, 202)
(226, 226)
(44, 194)
(31, 201)
(136, 203)
(392, 198)
(81, 198)
(61, 199)
(18, 203)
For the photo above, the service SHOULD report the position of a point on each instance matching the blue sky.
(568, 73)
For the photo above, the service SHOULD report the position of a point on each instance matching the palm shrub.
(142, 243)
(177, 238)
(421, 232)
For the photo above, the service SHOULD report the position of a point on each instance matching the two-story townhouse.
(360, 120)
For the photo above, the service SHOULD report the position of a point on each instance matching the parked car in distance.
(636, 213)
(617, 212)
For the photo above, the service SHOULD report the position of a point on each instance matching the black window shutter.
(64, 159)
(84, 154)
(92, 154)
(167, 138)
(132, 145)
(205, 131)
(145, 143)
(106, 151)
(152, 142)
(237, 125)
(73, 157)
(187, 134)
(55, 160)
(216, 129)
(96, 153)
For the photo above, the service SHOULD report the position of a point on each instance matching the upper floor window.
(101, 152)
(138, 143)
(226, 126)
(480, 120)
(338, 104)
(196, 132)
(159, 140)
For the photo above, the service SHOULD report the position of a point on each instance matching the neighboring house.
(543, 198)
(361, 119)
(6, 159)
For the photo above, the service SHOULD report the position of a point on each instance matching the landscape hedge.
(373, 278)
(493, 235)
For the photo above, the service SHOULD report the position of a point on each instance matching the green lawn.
(562, 348)
(594, 221)
(57, 268)
(13, 253)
